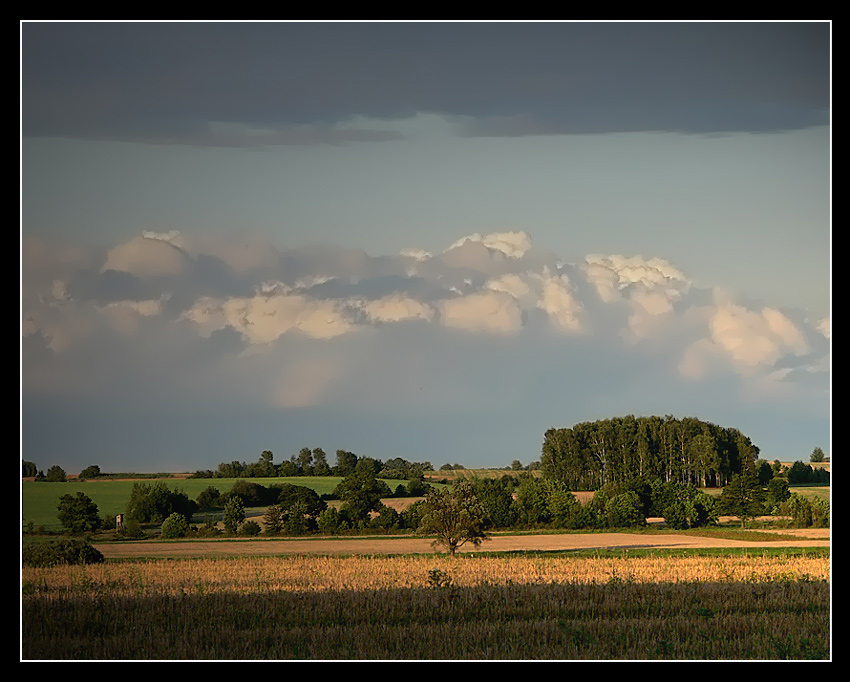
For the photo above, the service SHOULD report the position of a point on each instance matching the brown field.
(385, 545)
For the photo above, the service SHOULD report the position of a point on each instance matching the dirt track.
(409, 545)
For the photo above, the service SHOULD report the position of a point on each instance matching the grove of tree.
(591, 455)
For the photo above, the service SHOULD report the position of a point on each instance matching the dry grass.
(432, 607)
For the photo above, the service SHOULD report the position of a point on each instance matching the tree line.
(314, 462)
(591, 455)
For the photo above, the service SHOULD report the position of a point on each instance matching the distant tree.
(530, 504)
(516, 465)
(565, 510)
(79, 514)
(765, 472)
(455, 516)
(743, 497)
(56, 474)
(289, 495)
(234, 514)
(817, 455)
(497, 501)
(305, 462)
(155, 503)
(253, 494)
(777, 493)
(92, 471)
(345, 462)
(210, 498)
(320, 463)
(29, 470)
(361, 493)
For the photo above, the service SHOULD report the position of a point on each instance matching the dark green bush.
(63, 551)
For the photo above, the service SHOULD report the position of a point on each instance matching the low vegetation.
(432, 607)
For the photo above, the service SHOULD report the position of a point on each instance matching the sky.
(427, 240)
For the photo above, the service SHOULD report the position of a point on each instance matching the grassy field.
(39, 500)
(772, 605)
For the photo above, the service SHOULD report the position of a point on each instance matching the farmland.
(530, 606)
(722, 593)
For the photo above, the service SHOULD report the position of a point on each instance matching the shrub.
(387, 518)
(250, 528)
(65, 551)
(175, 526)
(624, 510)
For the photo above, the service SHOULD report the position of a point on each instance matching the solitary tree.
(455, 516)
(817, 455)
(234, 514)
(55, 474)
(79, 514)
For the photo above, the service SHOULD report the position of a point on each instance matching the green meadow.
(39, 500)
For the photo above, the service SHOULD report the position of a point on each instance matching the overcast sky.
(422, 240)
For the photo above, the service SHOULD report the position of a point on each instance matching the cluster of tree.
(314, 463)
(55, 474)
(591, 455)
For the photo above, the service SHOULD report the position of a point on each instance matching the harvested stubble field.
(545, 606)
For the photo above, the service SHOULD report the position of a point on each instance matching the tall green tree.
(79, 513)
(234, 514)
(455, 516)
(743, 497)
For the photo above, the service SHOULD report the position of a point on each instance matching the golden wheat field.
(433, 607)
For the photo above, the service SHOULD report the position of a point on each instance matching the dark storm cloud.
(302, 83)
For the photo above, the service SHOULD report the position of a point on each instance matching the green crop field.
(39, 500)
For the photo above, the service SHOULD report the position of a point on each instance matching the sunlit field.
(712, 606)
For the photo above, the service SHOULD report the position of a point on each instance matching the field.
(656, 605)
(708, 594)
(39, 500)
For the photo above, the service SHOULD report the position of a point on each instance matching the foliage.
(806, 512)
(530, 506)
(63, 551)
(776, 493)
(817, 455)
(455, 516)
(290, 495)
(153, 503)
(250, 528)
(56, 474)
(805, 473)
(497, 500)
(92, 471)
(361, 492)
(386, 519)
(743, 497)
(624, 510)
(210, 498)
(79, 514)
(175, 526)
(29, 469)
(590, 455)
(683, 506)
(273, 520)
(234, 514)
